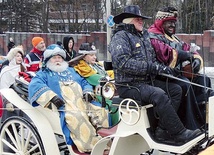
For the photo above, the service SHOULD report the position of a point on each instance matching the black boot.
(187, 135)
(162, 135)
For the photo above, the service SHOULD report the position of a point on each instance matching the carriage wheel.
(19, 137)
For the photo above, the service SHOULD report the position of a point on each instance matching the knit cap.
(36, 41)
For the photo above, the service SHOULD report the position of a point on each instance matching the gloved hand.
(194, 47)
(185, 55)
(26, 76)
(58, 102)
(196, 65)
(88, 96)
(158, 69)
(165, 70)
(175, 72)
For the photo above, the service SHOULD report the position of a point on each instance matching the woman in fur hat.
(16, 65)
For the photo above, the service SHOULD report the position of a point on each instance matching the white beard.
(58, 66)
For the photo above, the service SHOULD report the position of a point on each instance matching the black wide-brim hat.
(130, 11)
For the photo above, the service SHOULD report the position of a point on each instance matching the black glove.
(165, 70)
(157, 69)
(175, 72)
(196, 65)
(58, 102)
(88, 96)
(185, 55)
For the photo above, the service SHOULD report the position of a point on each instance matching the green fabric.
(94, 79)
(114, 116)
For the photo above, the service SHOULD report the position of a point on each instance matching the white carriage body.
(131, 137)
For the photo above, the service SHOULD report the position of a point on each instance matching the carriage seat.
(116, 100)
(21, 87)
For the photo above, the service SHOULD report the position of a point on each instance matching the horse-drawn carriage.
(32, 130)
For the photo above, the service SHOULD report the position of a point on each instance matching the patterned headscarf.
(165, 14)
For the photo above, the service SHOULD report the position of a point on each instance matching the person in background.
(135, 65)
(33, 60)
(92, 71)
(175, 53)
(9, 72)
(59, 43)
(8, 75)
(10, 44)
(68, 44)
(59, 85)
(3, 59)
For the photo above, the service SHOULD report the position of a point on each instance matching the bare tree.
(45, 16)
(76, 16)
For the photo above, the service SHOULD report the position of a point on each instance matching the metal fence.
(99, 39)
(24, 39)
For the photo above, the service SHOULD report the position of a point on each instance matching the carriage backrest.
(21, 87)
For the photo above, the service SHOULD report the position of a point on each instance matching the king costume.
(70, 87)
(175, 53)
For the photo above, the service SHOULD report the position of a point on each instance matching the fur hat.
(87, 48)
(13, 51)
(36, 41)
(130, 11)
(53, 50)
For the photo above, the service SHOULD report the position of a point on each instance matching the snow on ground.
(209, 71)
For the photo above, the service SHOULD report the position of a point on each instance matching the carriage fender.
(41, 123)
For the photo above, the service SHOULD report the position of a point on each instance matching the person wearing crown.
(184, 58)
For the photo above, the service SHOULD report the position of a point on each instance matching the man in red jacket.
(34, 58)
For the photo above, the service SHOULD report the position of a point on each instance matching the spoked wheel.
(19, 137)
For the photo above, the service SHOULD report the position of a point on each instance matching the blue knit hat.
(53, 50)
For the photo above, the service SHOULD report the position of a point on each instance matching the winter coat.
(33, 60)
(10, 71)
(132, 55)
(169, 50)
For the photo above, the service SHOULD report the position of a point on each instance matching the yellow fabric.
(84, 69)
(200, 58)
(110, 74)
(83, 133)
(100, 63)
(174, 60)
(44, 99)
